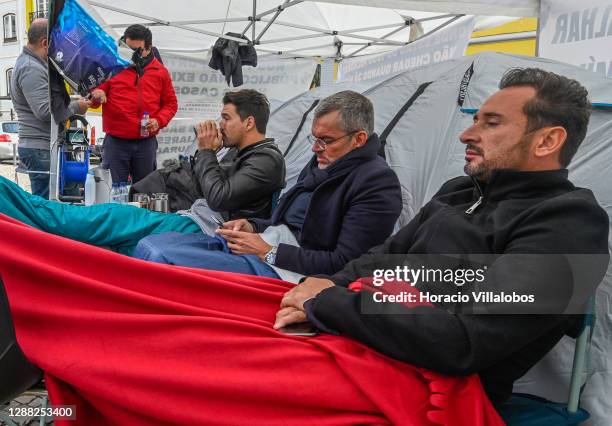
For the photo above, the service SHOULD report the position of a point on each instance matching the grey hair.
(37, 31)
(356, 111)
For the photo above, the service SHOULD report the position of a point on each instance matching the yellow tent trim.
(525, 46)
(518, 26)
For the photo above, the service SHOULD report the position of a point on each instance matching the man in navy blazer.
(346, 201)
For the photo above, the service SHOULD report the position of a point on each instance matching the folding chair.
(530, 410)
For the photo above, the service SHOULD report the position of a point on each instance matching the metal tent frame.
(260, 42)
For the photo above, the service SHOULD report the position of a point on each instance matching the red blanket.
(137, 343)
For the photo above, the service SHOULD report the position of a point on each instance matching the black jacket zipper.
(480, 199)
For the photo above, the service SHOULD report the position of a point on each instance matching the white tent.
(295, 27)
(471, 7)
(418, 114)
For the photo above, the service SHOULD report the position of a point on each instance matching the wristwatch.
(271, 256)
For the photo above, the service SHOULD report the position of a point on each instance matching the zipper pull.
(474, 206)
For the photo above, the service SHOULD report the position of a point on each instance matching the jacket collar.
(266, 141)
(505, 184)
(29, 52)
(349, 161)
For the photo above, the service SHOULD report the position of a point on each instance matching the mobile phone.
(195, 132)
(218, 221)
(300, 329)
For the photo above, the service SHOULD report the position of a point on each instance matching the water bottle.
(144, 132)
(124, 193)
(115, 195)
(121, 192)
(90, 188)
(128, 187)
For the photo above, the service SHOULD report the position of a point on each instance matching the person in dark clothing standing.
(517, 204)
(322, 222)
(141, 94)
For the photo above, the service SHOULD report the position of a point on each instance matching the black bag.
(176, 179)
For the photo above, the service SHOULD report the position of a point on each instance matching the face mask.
(137, 55)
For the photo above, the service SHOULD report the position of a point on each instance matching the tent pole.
(166, 23)
(282, 7)
(192, 22)
(433, 18)
(378, 27)
(333, 32)
(282, 52)
(389, 34)
(406, 18)
(281, 40)
(254, 18)
(247, 27)
(278, 12)
(408, 23)
(439, 27)
(367, 44)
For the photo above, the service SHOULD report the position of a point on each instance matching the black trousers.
(129, 157)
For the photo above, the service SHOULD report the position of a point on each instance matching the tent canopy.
(516, 8)
(292, 27)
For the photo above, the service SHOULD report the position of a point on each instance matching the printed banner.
(200, 91)
(447, 43)
(83, 52)
(578, 33)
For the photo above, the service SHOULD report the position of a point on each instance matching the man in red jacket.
(144, 88)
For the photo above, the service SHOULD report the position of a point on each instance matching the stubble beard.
(510, 160)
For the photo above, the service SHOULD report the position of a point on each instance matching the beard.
(509, 160)
(475, 170)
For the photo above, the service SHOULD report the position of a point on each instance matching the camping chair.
(17, 374)
(530, 410)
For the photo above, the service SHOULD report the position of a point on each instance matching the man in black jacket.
(245, 183)
(322, 222)
(247, 180)
(516, 209)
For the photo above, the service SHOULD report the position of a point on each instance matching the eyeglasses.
(322, 144)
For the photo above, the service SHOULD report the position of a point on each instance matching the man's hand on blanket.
(287, 316)
(292, 306)
(240, 242)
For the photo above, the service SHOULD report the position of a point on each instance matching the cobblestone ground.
(31, 399)
(7, 170)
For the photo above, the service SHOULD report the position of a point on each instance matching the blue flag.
(83, 53)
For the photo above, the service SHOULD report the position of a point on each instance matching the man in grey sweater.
(30, 94)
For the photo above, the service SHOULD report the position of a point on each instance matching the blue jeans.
(129, 157)
(199, 251)
(38, 160)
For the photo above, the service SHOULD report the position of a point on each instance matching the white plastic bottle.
(115, 194)
(90, 189)
(124, 192)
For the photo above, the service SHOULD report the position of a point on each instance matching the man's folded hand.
(245, 242)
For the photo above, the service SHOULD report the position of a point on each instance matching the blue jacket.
(354, 205)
